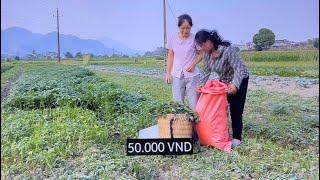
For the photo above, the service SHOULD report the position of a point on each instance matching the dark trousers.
(236, 103)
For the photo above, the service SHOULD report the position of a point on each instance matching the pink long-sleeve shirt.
(184, 55)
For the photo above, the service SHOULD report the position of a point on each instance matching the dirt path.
(6, 89)
(291, 85)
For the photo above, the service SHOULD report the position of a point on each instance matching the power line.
(165, 27)
(172, 13)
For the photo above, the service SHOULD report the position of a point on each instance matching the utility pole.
(58, 35)
(164, 33)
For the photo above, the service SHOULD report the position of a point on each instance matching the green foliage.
(5, 68)
(68, 55)
(103, 106)
(288, 121)
(315, 43)
(266, 63)
(283, 63)
(50, 87)
(174, 108)
(159, 58)
(45, 137)
(281, 56)
(8, 71)
(78, 55)
(264, 39)
(84, 136)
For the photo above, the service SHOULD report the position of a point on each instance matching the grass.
(145, 62)
(265, 63)
(48, 86)
(278, 114)
(8, 71)
(275, 56)
(88, 141)
(277, 117)
(309, 69)
(151, 87)
(5, 67)
(288, 121)
(42, 138)
(281, 135)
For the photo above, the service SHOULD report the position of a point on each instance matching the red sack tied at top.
(212, 109)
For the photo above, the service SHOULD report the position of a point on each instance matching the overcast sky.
(139, 23)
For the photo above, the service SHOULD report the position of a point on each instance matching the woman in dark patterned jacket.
(223, 59)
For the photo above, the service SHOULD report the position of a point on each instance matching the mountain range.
(17, 41)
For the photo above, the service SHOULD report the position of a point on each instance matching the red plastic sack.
(212, 109)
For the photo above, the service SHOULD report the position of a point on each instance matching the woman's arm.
(197, 60)
(206, 72)
(238, 68)
(169, 66)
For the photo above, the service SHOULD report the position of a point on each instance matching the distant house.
(34, 57)
(283, 44)
(40, 56)
(29, 57)
(249, 46)
(240, 46)
(51, 55)
(245, 47)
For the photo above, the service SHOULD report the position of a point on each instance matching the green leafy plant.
(163, 109)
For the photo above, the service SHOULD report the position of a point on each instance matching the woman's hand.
(199, 88)
(232, 89)
(168, 78)
(191, 68)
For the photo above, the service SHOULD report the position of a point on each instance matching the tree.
(303, 43)
(115, 55)
(315, 43)
(160, 51)
(136, 55)
(78, 55)
(16, 58)
(257, 48)
(264, 39)
(148, 53)
(68, 55)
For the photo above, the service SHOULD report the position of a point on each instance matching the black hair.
(184, 17)
(204, 35)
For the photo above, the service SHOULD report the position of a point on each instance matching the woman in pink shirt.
(182, 62)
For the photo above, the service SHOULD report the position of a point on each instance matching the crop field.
(69, 121)
(280, 63)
